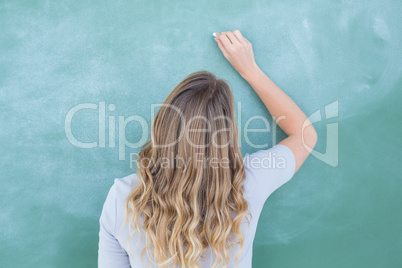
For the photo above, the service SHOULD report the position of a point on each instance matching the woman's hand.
(238, 51)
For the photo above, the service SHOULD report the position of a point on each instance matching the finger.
(225, 40)
(233, 39)
(222, 48)
(240, 37)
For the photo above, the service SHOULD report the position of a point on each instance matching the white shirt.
(266, 171)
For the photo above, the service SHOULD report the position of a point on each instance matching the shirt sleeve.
(267, 170)
(110, 252)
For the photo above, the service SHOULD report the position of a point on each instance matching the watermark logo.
(107, 136)
(330, 156)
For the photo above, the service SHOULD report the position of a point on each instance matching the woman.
(195, 202)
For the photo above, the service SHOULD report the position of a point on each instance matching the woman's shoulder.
(267, 170)
(115, 204)
(113, 211)
(126, 183)
(124, 186)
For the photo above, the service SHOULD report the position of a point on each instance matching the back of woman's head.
(191, 194)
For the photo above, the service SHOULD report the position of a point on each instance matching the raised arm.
(302, 136)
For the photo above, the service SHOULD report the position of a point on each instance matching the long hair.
(191, 195)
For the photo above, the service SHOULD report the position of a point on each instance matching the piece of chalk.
(214, 34)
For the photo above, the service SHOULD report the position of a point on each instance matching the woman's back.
(200, 208)
(262, 178)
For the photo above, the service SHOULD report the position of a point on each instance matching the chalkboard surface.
(78, 80)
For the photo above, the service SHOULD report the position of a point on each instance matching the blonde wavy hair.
(190, 206)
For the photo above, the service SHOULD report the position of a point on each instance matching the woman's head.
(192, 174)
(196, 118)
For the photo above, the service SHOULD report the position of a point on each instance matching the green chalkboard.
(78, 81)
